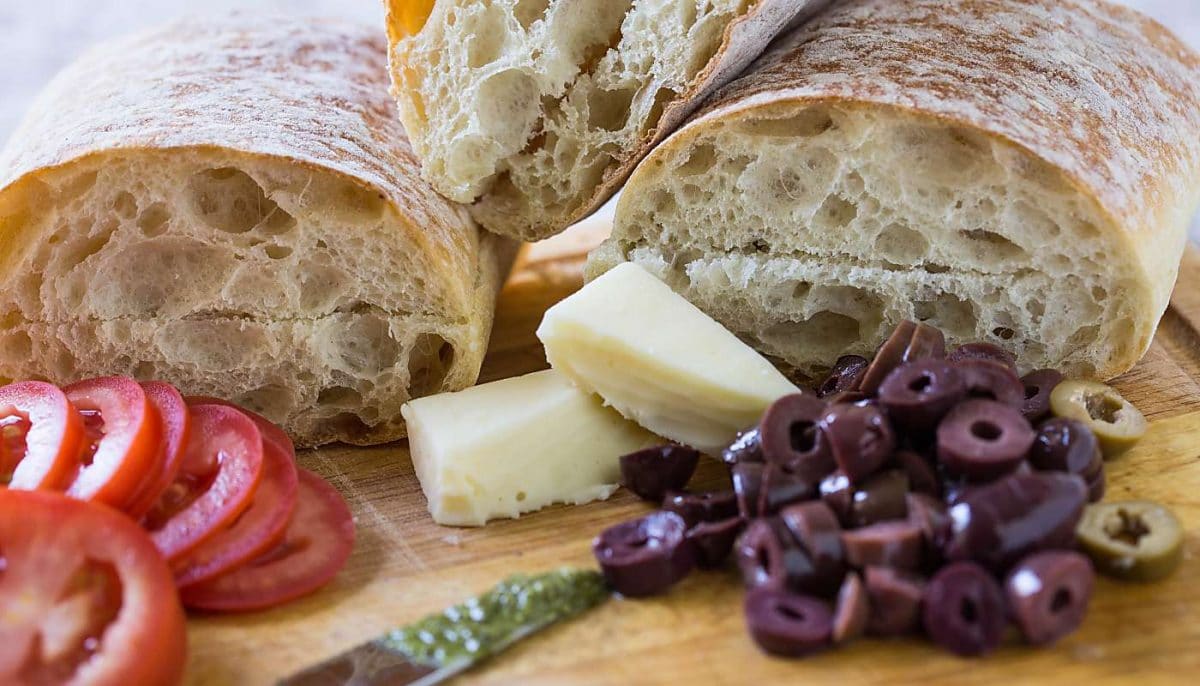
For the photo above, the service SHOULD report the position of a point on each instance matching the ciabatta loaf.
(231, 205)
(1017, 171)
(537, 110)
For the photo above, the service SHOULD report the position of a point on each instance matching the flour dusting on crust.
(315, 92)
(1100, 91)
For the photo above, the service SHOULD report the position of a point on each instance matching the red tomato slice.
(125, 433)
(220, 470)
(270, 431)
(85, 597)
(260, 528)
(315, 548)
(174, 421)
(40, 437)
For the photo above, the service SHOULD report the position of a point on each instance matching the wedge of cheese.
(502, 449)
(659, 360)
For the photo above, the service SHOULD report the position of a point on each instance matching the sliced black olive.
(646, 556)
(652, 472)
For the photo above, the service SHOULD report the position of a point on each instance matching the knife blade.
(446, 644)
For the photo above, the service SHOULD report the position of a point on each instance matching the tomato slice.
(220, 470)
(270, 431)
(85, 597)
(124, 434)
(315, 548)
(174, 420)
(260, 528)
(40, 436)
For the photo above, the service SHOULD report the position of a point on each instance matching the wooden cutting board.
(404, 566)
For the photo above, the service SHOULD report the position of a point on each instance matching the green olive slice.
(1134, 541)
(1115, 421)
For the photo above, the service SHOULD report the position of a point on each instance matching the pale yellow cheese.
(510, 447)
(659, 360)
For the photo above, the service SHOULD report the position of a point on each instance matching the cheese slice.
(510, 447)
(659, 360)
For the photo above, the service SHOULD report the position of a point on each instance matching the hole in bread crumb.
(278, 252)
(991, 246)
(805, 124)
(609, 110)
(273, 401)
(77, 252)
(529, 11)
(954, 316)
(701, 159)
(486, 45)
(836, 212)
(662, 98)
(822, 334)
(349, 425)
(340, 397)
(1099, 293)
(1083, 337)
(76, 186)
(429, 361)
(900, 244)
(360, 345)
(17, 346)
(1004, 333)
(687, 18)
(229, 200)
(125, 205)
(153, 220)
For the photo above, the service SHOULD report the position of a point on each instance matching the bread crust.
(1103, 95)
(303, 94)
(744, 40)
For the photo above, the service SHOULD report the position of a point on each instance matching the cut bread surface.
(294, 292)
(894, 161)
(813, 230)
(230, 204)
(533, 109)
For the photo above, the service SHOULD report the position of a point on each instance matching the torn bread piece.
(537, 110)
(1015, 171)
(231, 205)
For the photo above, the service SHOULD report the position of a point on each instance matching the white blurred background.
(38, 37)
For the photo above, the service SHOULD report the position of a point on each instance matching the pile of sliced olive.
(928, 490)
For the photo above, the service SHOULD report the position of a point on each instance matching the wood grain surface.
(404, 566)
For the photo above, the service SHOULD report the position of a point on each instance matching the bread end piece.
(279, 251)
(810, 208)
(536, 111)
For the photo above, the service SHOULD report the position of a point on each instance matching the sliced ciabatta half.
(231, 205)
(1017, 171)
(537, 110)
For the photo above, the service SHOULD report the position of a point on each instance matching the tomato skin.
(54, 438)
(130, 443)
(316, 546)
(43, 533)
(175, 419)
(221, 467)
(261, 527)
(270, 430)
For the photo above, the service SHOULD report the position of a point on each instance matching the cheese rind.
(659, 360)
(515, 446)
